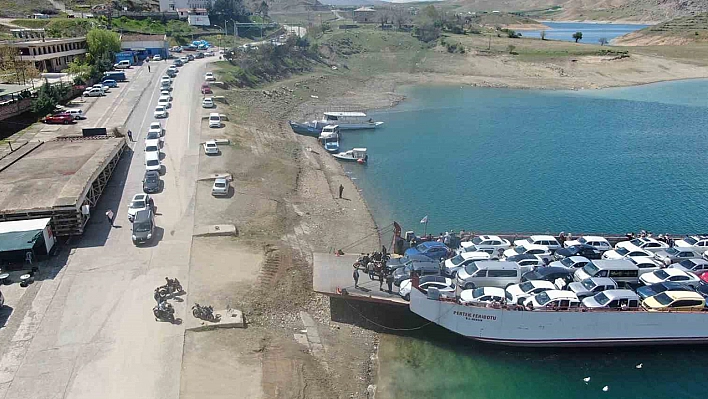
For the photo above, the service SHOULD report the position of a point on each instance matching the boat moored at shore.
(358, 155)
(349, 120)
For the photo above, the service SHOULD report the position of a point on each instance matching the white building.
(194, 16)
(174, 5)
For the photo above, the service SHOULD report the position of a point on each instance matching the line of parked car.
(539, 272)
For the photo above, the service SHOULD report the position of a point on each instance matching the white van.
(125, 64)
(75, 112)
(490, 274)
(214, 120)
(621, 270)
(613, 299)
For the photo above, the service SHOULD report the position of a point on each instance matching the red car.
(59, 118)
(704, 277)
(206, 89)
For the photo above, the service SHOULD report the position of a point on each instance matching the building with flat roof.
(364, 15)
(49, 55)
(145, 45)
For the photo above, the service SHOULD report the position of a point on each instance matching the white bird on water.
(639, 365)
(606, 388)
(586, 379)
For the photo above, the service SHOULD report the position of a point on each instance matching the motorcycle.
(172, 288)
(163, 311)
(204, 312)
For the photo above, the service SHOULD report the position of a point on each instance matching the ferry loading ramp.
(56, 179)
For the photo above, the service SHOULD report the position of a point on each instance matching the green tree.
(102, 47)
(577, 36)
(47, 99)
(602, 41)
(263, 9)
(511, 48)
(227, 10)
(428, 24)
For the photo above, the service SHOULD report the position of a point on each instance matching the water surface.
(591, 32)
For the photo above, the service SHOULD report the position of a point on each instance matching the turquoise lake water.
(478, 159)
(609, 160)
(591, 32)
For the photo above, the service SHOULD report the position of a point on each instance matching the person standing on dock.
(341, 190)
(355, 275)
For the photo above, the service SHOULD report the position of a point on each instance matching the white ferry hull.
(563, 328)
(343, 125)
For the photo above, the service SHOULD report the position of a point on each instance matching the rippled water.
(611, 160)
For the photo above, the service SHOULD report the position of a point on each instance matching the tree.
(263, 9)
(511, 48)
(603, 41)
(543, 35)
(383, 19)
(428, 25)
(47, 99)
(102, 47)
(227, 10)
(400, 19)
(577, 36)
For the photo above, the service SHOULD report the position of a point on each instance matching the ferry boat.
(559, 328)
(330, 138)
(349, 120)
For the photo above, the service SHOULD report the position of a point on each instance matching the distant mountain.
(678, 31)
(353, 2)
(610, 10)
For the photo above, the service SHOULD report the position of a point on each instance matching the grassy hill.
(677, 31)
(504, 20)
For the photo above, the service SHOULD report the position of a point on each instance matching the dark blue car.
(432, 249)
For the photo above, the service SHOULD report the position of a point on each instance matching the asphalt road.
(89, 331)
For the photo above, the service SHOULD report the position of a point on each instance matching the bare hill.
(610, 10)
(682, 30)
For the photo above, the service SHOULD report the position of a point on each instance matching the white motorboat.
(356, 154)
(349, 120)
(330, 138)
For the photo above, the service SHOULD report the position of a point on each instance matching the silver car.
(676, 254)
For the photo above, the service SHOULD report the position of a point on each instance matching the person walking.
(381, 280)
(355, 275)
(109, 216)
(341, 190)
(130, 135)
(148, 67)
(389, 282)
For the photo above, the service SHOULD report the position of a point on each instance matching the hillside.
(505, 20)
(22, 8)
(609, 10)
(677, 31)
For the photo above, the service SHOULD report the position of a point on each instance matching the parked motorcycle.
(204, 312)
(163, 311)
(172, 288)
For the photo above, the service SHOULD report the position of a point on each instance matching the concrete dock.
(332, 276)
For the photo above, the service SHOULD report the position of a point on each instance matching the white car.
(152, 146)
(574, 262)
(600, 243)
(156, 57)
(220, 187)
(551, 298)
(698, 243)
(646, 264)
(452, 265)
(670, 274)
(152, 162)
(160, 112)
(214, 120)
(139, 203)
(548, 241)
(105, 89)
(154, 134)
(208, 102)
(646, 243)
(485, 295)
(627, 251)
(166, 93)
(173, 68)
(164, 101)
(519, 292)
(93, 92)
(526, 248)
(443, 284)
(487, 242)
(695, 266)
(166, 79)
(184, 59)
(210, 147)
(157, 126)
(209, 77)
